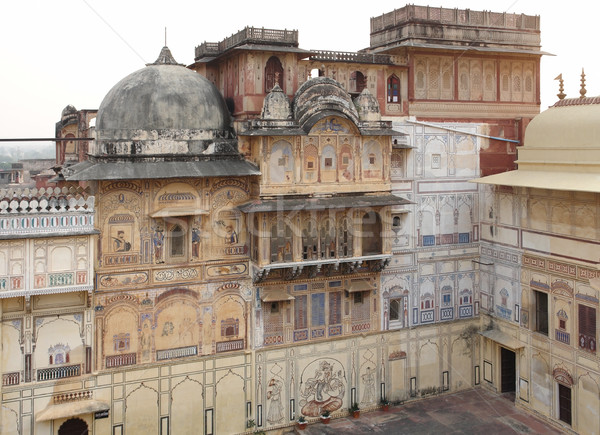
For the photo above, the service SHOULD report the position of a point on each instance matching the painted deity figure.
(325, 389)
(158, 241)
(275, 413)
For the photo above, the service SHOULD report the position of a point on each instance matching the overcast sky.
(61, 52)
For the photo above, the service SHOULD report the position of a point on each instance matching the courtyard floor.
(475, 411)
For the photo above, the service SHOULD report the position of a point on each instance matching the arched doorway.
(73, 426)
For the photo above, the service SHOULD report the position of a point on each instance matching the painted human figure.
(158, 241)
(232, 237)
(119, 242)
(195, 243)
(275, 413)
(146, 340)
(369, 384)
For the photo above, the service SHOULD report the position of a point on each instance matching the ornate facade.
(323, 237)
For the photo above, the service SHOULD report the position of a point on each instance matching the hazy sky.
(63, 52)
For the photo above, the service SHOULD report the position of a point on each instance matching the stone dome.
(68, 116)
(164, 101)
(570, 123)
(321, 97)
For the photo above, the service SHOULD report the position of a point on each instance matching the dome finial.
(561, 94)
(583, 91)
(165, 57)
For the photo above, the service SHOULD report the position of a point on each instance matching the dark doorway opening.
(73, 426)
(564, 403)
(508, 370)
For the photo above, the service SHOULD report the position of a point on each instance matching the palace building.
(273, 232)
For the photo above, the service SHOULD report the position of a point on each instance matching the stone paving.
(475, 411)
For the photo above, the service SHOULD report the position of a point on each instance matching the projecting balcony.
(329, 266)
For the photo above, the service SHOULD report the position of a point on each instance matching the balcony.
(9, 379)
(120, 360)
(54, 373)
(345, 265)
(180, 352)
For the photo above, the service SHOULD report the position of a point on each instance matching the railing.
(176, 353)
(247, 34)
(72, 397)
(120, 360)
(465, 17)
(62, 372)
(9, 379)
(229, 346)
(45, 200)
(343, 56)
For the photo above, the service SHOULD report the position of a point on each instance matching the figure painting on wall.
(119, 242)
(275, 412)
(186, 335)
(231, 237)
(158, 240)
(323, 392)
(195, 242)
(368, 379)
(146, 340)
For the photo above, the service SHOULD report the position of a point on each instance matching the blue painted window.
(428, 240)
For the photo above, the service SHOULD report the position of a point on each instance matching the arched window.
(395, 309)
(177, 240)
(327, 236)
(357, 82)
(254, 239)
(345, 238)
(273, 74)
(393, 89)
(281, 242)
(309, 241)
(371, 234)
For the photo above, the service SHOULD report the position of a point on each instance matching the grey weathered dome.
(160, 109)
(321, 97)
(163, 96)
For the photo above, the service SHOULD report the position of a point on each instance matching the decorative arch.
(273, 73)
(310, 240)
(281, 162)
(73, 426)
(358, 82)
(345, 237)
(311, 163)
(562, 376)
(327, 237)
(282, 240)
